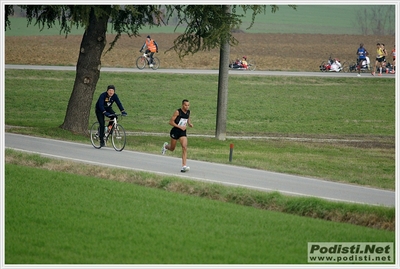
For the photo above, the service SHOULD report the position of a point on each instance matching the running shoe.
(373, 73)
(185, 169)
(163, 150)
(380, 74)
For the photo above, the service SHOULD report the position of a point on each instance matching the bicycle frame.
(144, 60)
(147, 57)
(113, 126)
(117, 134)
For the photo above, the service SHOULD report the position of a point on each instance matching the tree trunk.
(87, 74)
(222, 102)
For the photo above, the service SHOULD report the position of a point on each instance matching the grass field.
(62, 218)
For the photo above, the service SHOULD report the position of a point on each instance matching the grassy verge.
(84, 216)
(344, 126)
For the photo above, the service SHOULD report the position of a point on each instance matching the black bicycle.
(116, 134)
(144, 60)
(364, 66)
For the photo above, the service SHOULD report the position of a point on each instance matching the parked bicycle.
(116, 134)
(364, 66)
(144, 60)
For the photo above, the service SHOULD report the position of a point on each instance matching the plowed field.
(295, 52)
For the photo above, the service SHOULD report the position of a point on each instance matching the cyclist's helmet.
(244, 57)
(110, 87)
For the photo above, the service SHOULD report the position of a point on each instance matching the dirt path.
(270, 51)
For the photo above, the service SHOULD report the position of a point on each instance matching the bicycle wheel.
(118, 138)
(156, 63)
(322, 67)
(251, 65)
(345, 67)
(141, 62)
(352, 67)
(94, 135)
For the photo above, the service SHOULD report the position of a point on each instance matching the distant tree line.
(377, 20)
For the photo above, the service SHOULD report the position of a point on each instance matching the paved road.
(205, 171)
(201, 71)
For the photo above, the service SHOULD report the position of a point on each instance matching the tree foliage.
(128, 19)
(208, 26)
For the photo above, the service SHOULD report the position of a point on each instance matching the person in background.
(104, 108)
(236, 64)
(179, 122)
(394, 59)
(244, 62)
(362, 54)
(336, 65)
(151, 46)
(379, 60)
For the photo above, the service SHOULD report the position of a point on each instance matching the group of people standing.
(380, 60)
(179, 121)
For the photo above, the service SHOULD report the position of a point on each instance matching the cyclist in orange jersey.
(152, 47)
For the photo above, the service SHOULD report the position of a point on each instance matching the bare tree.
(377, 20)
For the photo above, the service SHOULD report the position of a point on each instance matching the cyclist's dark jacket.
(104, 103)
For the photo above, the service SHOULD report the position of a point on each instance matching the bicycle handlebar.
(116, 115)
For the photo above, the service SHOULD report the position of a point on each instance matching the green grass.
(307, 19)
(258, 105)
(61, 218)
(311, 108)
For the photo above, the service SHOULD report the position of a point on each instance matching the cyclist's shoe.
(102, 144)
(163, 150)
(185, 169)
(151, 65)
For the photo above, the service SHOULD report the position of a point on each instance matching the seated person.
(336, 65)
(236, 64)
(365, 63)
(244, 62)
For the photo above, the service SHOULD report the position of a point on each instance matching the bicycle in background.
(144, 60)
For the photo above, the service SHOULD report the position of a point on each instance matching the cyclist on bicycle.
(104, 108)
(152, 47)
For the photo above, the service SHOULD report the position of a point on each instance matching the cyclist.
(336, 65)
(104, 108)
(152, 47)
